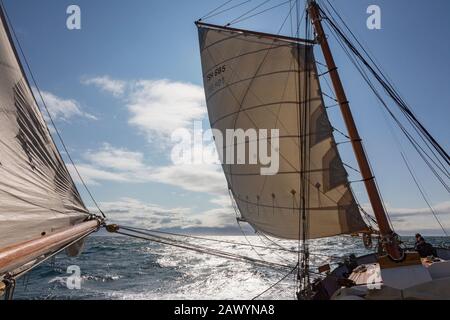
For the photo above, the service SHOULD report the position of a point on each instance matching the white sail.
(37, 194)
(255, 81)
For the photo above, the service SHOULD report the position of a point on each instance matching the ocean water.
(118, 268)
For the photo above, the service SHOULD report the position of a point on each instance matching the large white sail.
(255, 81)
(37, 194)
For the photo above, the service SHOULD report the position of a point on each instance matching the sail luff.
(4, 19)
(38, 197)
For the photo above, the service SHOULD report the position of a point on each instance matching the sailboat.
(41, 210)
(253, 80)
(256, 80)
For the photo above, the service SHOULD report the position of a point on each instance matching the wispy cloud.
(442, 208)
(197, 178)
(156, 107)
(107, 84)
(132, 211)
(119, 165)
(64, 109)
(159, 107)
(93, 175)
(116, 158)
(129, 211)
(413, 220)
(122, 165)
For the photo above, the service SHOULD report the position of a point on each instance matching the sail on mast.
(258, 87)
(37, 194)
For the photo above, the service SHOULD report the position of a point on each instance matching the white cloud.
(159, 107)
(92, 175)
(116, 158)
(197, 178)
(217, 217)
(124, 166)
(133, 212)
(64, 109)
(121, 165)
(105, 83)
(413, 220)
(441, 208)
(222, 201)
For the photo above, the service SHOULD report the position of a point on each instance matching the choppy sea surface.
(117, 268)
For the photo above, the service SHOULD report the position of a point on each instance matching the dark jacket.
(425, 249)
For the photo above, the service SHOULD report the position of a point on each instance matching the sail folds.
(255, 81)
(37, 194)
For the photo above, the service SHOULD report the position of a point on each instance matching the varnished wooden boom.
(17, 255)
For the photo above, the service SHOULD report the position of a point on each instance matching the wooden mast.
(390, 241)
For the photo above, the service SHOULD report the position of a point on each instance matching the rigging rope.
(276, 283)
(280, 247)
(236, 211)
(423, 194)
(303, 275)
(417, 147)
(214, 10)
(137, 234)
(218, 253)
(237, 20)
(209, 239)
(388, 86)
(295, 251)
(226, 10)
(249, 11)
(391, 91)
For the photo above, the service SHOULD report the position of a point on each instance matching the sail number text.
(216, 73)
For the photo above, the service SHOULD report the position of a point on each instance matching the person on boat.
(351, 262)
(424, 248)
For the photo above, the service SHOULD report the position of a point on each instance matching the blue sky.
(110, 88)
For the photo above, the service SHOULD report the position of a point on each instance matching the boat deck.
(368, 275)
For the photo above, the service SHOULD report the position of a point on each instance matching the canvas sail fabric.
(37, 194)
(255, 81)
